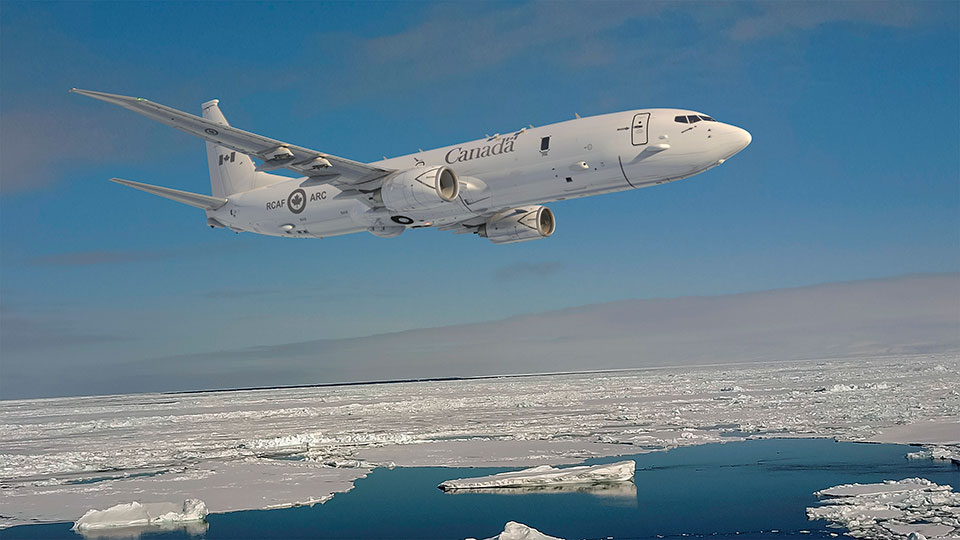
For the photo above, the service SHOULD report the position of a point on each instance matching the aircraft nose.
(742, 137)
(732, 140)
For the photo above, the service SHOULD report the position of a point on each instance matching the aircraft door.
(638, 132)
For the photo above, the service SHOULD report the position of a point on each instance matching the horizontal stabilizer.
(193, 199)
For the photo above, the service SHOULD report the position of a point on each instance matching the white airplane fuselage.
(582, 157)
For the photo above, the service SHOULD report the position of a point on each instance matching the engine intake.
(519, 225)
(420, 189)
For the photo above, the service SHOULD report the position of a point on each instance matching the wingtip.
(128, 183)
(103, 96)
(88, 93)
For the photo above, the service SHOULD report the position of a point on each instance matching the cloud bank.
(906, 315)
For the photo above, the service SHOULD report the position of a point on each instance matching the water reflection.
(191, 528)
(625, 490)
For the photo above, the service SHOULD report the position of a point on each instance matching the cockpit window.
(691, 118)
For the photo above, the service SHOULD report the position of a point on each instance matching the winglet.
(193, 199)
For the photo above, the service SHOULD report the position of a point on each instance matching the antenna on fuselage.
(577, 115)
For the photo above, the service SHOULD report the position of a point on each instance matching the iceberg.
(136, 514)
(545, 475)
(912, 508)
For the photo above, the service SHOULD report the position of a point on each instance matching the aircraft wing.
(275, 154)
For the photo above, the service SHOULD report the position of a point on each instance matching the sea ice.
(518, 531)
(61, 456)
(889, 486)
(545, 475)
(136, 514)
(912, 508)
(932, 430)
(944, 453)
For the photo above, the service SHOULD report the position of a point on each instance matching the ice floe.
(518, 531)
(545, 475)
(944, 453)
(136, 514)
(913, 508)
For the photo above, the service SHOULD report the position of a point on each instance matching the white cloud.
(777, 18)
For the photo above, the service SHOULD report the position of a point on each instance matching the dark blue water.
(734, 490)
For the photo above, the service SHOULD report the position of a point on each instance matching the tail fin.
(231, 172)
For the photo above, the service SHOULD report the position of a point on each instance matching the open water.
(751, 489)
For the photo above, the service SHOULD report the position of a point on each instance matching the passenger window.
(681, 119)
(693, 118)
(544, 144)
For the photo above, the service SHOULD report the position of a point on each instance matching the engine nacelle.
(519, 225)
(420, 189)
(386, 231)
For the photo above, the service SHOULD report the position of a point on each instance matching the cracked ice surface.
(59, 457)
(905, 509)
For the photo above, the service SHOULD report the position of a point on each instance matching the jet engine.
(519, 225)
(386, 231)
(420, 189)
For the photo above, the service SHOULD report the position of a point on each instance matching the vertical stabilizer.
(230, 171)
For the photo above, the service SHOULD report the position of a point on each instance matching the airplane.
(494, 187)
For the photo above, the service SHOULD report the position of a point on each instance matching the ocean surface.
(751, 489)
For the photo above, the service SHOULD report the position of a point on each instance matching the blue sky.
(852, 173)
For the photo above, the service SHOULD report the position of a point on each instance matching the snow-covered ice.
(890, 486)
(912, 508)
(135, 514)
(545, 475)
(931, 431)
(944, 453)
(59, 457)
(518, 531)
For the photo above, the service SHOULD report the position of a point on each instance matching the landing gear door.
(639, 130)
